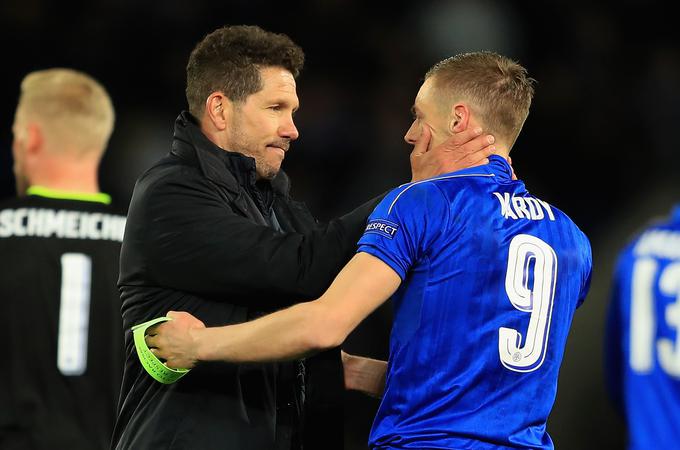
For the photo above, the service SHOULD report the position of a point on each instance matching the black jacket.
(201, 237)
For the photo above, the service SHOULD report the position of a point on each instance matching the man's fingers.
(171, 363)
(151, 340)
(478, 158)
(160, 354)
(480, 162)
(179, 364)
(423, 142)
(151, 336)
(475, 145)
(182, 320)
(514, 175)
(486, 151)
(465, 136)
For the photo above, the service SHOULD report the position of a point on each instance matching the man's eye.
(275, 107)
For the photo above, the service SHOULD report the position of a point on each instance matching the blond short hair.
(73, 108)
(497, 87)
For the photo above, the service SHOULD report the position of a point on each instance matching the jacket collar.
(190, 143)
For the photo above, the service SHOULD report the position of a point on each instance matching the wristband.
(154, 367)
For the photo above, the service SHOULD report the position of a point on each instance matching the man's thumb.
(423, 142)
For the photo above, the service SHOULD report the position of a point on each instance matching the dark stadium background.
(599, 143)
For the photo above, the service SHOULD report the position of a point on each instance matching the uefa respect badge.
(382, 227)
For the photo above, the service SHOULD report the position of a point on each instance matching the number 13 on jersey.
(530, 286)
(646, 292)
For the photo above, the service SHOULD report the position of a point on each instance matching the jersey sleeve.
(588, 272)
(402, 227)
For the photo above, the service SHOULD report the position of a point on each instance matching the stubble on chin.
(267, 169)
(268, 172)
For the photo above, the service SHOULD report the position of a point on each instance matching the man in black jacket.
(212, 230)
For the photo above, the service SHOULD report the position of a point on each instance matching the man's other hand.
(468, 148)
(173, 340)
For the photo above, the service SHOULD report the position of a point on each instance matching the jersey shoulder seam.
(446, 177)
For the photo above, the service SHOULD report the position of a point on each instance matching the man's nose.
(412, 134)
(289, 130)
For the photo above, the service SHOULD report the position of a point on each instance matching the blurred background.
(599, 141)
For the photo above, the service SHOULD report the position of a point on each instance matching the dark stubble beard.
(241, 143)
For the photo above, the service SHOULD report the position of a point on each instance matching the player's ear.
(34, 138)
(218, 109)
(460, 118)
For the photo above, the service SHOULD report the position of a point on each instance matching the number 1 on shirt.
(74, 313)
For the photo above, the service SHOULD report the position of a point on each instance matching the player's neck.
(81, 178)
(502, 151)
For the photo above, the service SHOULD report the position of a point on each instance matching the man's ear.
(218, 110)
(34, 139)
(460, 118)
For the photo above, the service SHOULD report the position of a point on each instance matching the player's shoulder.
(472, 185)
(549, 219)
(16, 202)
(97, 203)
(168, 176)
(167, 168)
(565, 220)
(660, 239)
(414, 195)
(78, 216)
(31, 201)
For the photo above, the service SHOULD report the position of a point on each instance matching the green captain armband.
(157, 369)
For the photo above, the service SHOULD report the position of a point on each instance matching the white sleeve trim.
(486, 175)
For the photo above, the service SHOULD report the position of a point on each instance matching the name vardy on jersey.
(42, 222)
(523, 207)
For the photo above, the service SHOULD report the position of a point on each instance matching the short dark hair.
(229, 60)
(497, 85)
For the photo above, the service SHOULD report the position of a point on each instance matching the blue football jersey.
(491, 277)
(643, 337)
